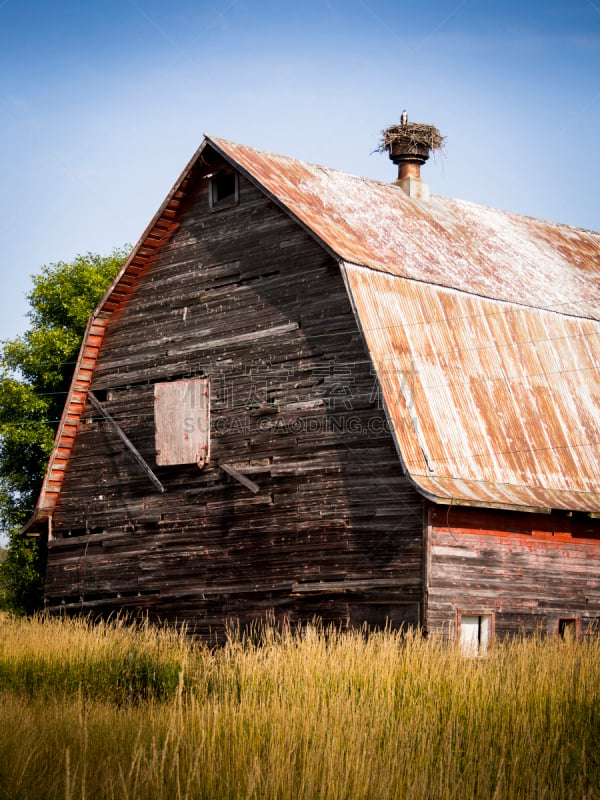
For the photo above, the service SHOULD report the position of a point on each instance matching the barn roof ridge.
(392, 185)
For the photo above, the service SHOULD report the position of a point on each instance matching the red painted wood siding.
(528, 570)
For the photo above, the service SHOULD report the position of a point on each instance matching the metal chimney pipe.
(409, 145)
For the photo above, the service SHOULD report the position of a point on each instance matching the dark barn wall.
(244, 296)
(529, 570)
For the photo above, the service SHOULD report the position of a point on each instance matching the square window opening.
(475, 633)
(224, 190)
(567, 628)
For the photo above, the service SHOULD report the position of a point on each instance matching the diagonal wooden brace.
(239, 476)
(126, 441)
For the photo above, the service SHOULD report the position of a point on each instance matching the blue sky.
(103, 103)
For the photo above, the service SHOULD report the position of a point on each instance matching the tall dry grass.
(46, 657)
(312, 715)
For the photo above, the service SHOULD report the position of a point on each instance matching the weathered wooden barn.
(309, 393)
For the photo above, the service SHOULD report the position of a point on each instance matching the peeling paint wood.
(528, 570)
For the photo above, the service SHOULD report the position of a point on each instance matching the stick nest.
(411, 135)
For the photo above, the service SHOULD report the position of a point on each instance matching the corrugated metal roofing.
(506, 401)
(490, 403)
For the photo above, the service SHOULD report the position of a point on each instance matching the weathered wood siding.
(243, 296)
(528, 570)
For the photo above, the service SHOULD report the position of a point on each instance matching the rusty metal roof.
(491, 403)
(444, 242)
(482, 326)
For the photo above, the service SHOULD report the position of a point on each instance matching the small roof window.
(223, 190)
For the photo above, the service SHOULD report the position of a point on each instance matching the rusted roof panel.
(490, 403)
(445, 242)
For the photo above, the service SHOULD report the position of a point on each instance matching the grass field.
(106, 711)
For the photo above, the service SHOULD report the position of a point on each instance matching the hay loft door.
(182, 422)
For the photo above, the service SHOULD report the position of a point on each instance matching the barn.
(312, 394)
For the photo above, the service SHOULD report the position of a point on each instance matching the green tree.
(3, 602)
(35, 373)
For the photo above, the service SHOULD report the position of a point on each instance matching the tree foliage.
(35, 373)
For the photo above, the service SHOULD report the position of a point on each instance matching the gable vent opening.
(224, 190)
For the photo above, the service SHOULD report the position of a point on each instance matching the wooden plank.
(240, 477)
(182, 422)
